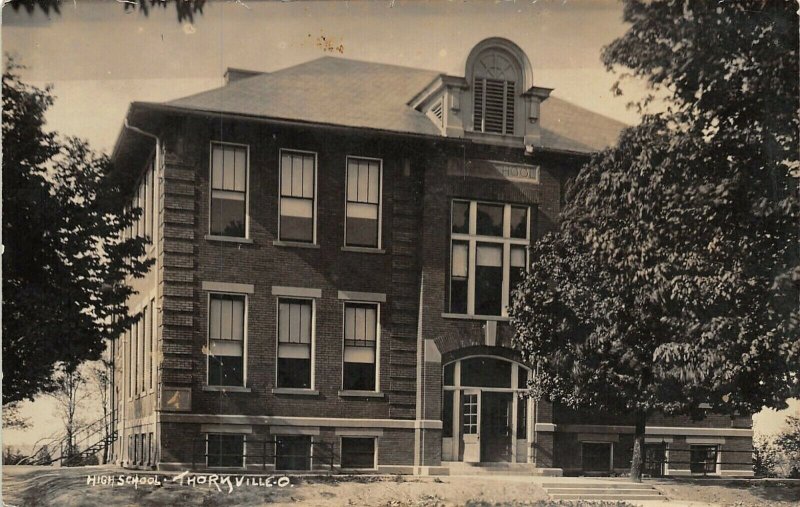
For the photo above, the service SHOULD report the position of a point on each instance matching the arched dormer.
(498, 72)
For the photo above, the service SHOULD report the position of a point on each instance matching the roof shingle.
(353, 93)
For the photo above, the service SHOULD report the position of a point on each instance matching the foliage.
(673, 278)
(788, 441)
(64, 266)
(12, 455)
(185, 9)
(12, 417)
(766, 457)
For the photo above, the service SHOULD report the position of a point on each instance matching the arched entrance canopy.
(483, 416)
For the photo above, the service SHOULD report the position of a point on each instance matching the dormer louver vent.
(438, 113)
(494, 106)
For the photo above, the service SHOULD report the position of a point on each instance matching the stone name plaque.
(494, 169)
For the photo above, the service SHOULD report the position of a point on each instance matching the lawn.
(44, 486)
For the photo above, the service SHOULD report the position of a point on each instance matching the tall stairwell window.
(494, 94)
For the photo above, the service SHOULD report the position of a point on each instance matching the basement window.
(224, 450)
(358, 452)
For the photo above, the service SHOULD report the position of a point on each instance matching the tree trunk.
(637, 461)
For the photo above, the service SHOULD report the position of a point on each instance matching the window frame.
(246, 297)
(244, 450)
(380, 201)
(313, 344)
(717, 461)
(377, 305)
(364, 437)
(246, 147)
(153, 346)
(473, 239)
(314, 210)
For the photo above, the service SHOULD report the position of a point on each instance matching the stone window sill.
(295, 244)
(228, 239)
(227, 389)
(361, 249)
(462, 316)
(295, 391)
(360, 394)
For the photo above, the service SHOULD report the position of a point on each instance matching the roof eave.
(167, 109)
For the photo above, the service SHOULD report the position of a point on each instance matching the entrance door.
(596, 457)
(496, 426)
(471, 424)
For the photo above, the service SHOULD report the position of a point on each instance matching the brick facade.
(418, 335)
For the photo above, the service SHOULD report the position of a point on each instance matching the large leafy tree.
(64, 266)
(673, 279)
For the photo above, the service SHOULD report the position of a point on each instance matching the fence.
(706, 462)
(302, 455)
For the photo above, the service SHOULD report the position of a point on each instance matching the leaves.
(672, 279)
(64, 268)
(185, 9)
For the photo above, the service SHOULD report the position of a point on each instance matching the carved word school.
(223, 482)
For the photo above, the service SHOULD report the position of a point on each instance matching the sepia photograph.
(398, 253)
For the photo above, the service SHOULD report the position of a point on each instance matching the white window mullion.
(507, 221)
(471, 277)
(506, 279)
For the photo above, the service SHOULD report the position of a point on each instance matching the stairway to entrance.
(489, 468)
(597, 490)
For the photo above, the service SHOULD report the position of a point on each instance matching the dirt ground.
(39, 486)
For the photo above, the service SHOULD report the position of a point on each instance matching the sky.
(100, 57)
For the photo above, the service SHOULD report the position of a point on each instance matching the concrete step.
(576, 496)
(599, 491)
(461, 468)
(601, 485)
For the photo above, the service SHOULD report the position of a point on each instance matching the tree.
(673, 278)
(185, 9)
(64, 265)
(103, 382)
(70, 395)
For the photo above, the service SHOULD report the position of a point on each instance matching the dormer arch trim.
(496, 58)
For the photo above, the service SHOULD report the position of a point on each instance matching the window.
(703, 459)
(292, 452)
(135, 368)
(470, 414)
(485, 372)
(146, 347)
(228, 190)
(447, 413)
(153, 342)
(363, 207)
(488, 255)
(360, 346)
(522, 418)
(225, 450)
(297, 191)
(358, 452)
(226, 335)
(148, 202)
(295, 331)
(129, 348)
(494, 94)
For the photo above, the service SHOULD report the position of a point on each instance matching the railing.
(86, 441)
(265, 452)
